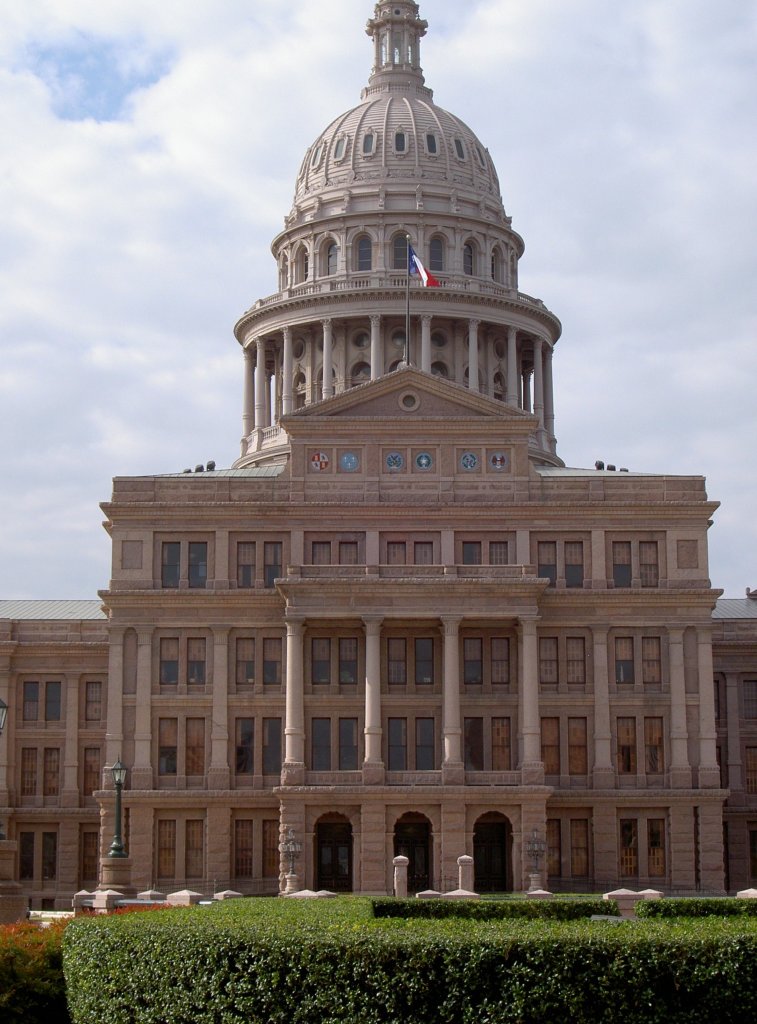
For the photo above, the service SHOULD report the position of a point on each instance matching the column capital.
(326, 322)
(675, 634)
(220, 634)
(375, 319)
(426, 318)
(474, 325)
(286, 332)
(260, 343)
(528, 623)
(372, 624)
(294, 624)
(144, 635)
(451, 624)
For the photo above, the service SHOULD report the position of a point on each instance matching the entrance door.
(490, 856)
(413, 840)
(334, 857)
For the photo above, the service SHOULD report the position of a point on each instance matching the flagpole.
(407, 306)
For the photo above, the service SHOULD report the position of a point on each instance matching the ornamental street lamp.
(3, 716)
(291, 847)
(535, 848)
(118, 771)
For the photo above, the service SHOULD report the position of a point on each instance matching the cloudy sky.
(149, 155)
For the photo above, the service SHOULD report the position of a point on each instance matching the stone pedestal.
(292, 883)
(115, 873)
(465, 873)
(400, 877)
(13, 905)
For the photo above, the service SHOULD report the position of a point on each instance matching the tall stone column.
(680, 769)
(473, 354)
(293, 769)
(328, 362)
(141, 773)
(377, 362)
(453, 771)
(512, 366)
(532, 766)
(733, 732)
(248, 413)
(711, 865)
(70, 789)
(426, 343)
(269, 392)
(218, 772)
(373, 765)
(603, 774)
(709, 773)
(114, 730)
(259, 383)
(539, 389)
(549, 399)
(288, 372)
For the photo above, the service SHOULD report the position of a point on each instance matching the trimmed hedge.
(502, 910)
(697, 907)
(331, 962)
(31, 976)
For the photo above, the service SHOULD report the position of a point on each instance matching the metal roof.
(38, 610)
(735, 608)
(252, 471)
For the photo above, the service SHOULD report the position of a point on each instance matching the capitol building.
(398, 623)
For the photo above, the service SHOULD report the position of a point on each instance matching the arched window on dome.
(283, 274)
(440, 369)
(369, 144)
(330, 258)
(361, 372)
(498, 265)
(432, 146)
(400, 142)
(436, 255)
(300, 391)
(399, 252)
(301, 265)
(469, 259)
(340, 148)
(363, 254)
(459, 149)
(499, 386)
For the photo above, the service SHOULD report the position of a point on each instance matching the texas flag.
(416, 267)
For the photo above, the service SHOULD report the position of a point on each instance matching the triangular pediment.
(409, 393)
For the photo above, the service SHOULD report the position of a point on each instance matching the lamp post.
(536, 847)
(118, 771)
(291, 847)
(3, 716)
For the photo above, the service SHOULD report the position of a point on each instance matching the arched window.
(431, 146)
(341, 145)
(400, 142)
(499, 387)
(398, 340)
(332, 253)
(439, 369)
(284, 273)
(301, 266)
(361, 372)
(436, 255)
(497, 265)
(399, 252)
(361, 340)
(469, 259)
(299, 391)
(364, 253)
(369, 144)
(459, 149)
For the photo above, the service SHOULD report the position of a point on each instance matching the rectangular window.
(424, 660)
(28, 771)
(548, 664)
(169, 660)
(550, 745)
(320, 660)
(244, 746)
(750, 698)
(320, 753)
(500, 659)
(31, 702)
(90, 856)
(245, 658)
(246, 564)
(271, 857)
(52, 702)
(348, 661)
(170, 564)
(471, 552)
(473, 660)
(396, 657)
(195, 753)
(196, 661)
(473, 742)
(546, 554)
(321, 552)
(579, 848)
(498, 552)
(91, 770)
(423, 552)
(168, 739)
(395, 552)
(397, 760)
(574, 563)
(166, 844)
(656, 847)
(348, 552)
(654, 761)
(554, 847)
(501, 750)
(26, 856)
(348, 744)
(198, 563)
(629, 848)
(753, 854)
(621, 563)
(272, 562)
(93, 702)
(424, 745)
(49, 856)
(651, 660)
(578, 750)
(271, 746)
(243, 848)
(51, 771)
(626, 746)
(575, 653)
(624, 670)
(649, 568)
(751, 769)
(272, 661)
(194, 829)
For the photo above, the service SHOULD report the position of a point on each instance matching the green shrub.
(475, 910)
(31, 976)
(332, 962)
(697, 907)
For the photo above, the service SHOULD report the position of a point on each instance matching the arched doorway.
(333, 854)
(492, 844)
(412, 839)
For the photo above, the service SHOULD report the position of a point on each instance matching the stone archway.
(413, 839)
(492, 853)
(333, 842)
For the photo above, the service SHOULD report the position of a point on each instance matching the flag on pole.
(417, 268)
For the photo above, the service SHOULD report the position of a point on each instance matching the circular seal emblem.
(349, 462)
(319, 461)
(469, 461)
(499, 460)
(424, 460)
(395, 461)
